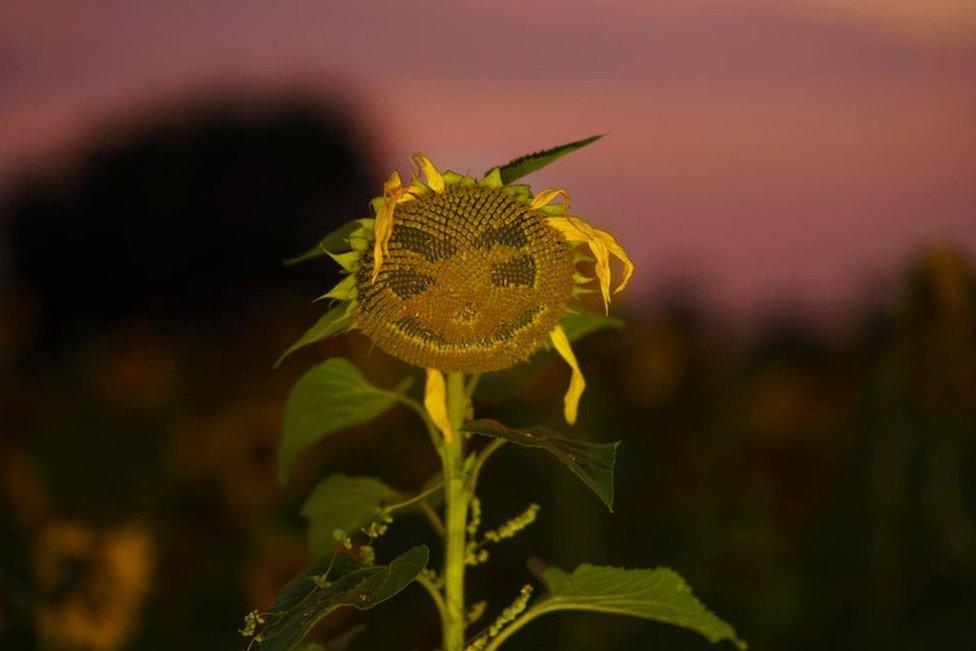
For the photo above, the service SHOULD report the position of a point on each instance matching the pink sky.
(792, 149)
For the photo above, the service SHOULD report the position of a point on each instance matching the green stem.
(435, 594)
(496, 642)
(458, 496)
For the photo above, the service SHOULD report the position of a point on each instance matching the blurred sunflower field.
(816, 486)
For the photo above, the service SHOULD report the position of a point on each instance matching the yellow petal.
(576, 382)
(382, 231)
(603, 245)
(392, 185)
(435, 402)
(434, 179)
(602, 269)
(620, 254)
(575, 230)
(547, 196)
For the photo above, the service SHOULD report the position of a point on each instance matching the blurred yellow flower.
(93, 584)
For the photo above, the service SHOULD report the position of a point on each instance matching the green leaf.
(519, 167)
(591, 462)
(339, 642)
(329, 397)
(331, 323)
(659, 594)
(348, 237)
(343, 502)
(580, 324)
(306, 599)
(342, 641)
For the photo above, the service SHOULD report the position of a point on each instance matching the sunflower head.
(474, 280)
(466, 274)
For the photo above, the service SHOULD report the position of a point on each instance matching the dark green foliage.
(591, 462)
(658, 594)
(329, 397)
(332, 582)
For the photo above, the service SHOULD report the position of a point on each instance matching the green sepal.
(330, 583)
(345, 290)
(349, 261)
(336, 320)
(519, 191)
(592, 462)
(327, 398)
(493, 179)
(659, 594)
(519, 167)
(577, 325)
(554, 209)
(341, 240)
(451, 178)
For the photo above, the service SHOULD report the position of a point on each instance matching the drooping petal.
(619, 253)
(435, 402)
(381, 234)
(392, 185)
(603, 245)
(576, 381)
(547, 196)
(393, 193)
(433, 177)
(575, 229)
(602, 270)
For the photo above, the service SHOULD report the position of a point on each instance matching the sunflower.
(463, 274)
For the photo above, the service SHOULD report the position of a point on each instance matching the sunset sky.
(770, 150)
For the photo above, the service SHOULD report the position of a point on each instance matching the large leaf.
(340, 642)
(577, 325)
(348, 237)
(591, 462)
(331, 323)
(306, 599)
(659, 594)
(329, 397)
(343, 502)
(519, 167)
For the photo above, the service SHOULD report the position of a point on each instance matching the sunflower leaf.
(659, 594)
(332, 582)
(329, 397)
(524, 165)
(592, 462)
(331, 323)
(345, 503)
(577, 325)
(342, 240)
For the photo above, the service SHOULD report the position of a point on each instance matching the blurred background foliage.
(816, 487)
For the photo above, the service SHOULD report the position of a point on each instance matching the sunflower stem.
(458, 497)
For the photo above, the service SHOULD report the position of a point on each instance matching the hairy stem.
(539, 609)
(458, 495)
